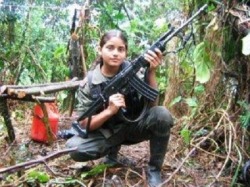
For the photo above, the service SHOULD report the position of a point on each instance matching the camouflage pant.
(156, 124)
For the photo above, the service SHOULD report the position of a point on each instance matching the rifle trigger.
(103, 98)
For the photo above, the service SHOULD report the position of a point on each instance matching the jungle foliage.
(205, 84)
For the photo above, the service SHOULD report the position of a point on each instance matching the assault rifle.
(127, 78)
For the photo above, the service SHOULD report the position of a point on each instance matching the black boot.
(111, 158)
(158, 148)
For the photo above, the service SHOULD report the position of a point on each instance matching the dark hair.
(113, 33)
(106, 37)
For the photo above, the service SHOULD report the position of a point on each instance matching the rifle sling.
(140, 117)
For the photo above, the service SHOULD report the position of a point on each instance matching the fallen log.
(38, 85)
(30, 98)
(50, 88)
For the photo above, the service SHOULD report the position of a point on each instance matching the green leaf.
(202, 63)
(191, 102)
(245, 114)
(245, 120)
(134, 26)
(119, 16)
(211, 7)
(199, 89)
(186, 135)
(59, 52)
(25, 77)
(95, 171)
(40, 176)
(198, 50)
(43, 177)
(202, 72)
(176, 100)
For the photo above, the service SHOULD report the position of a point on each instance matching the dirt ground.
(183, 166)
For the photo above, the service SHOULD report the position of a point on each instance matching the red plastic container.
(38, 129)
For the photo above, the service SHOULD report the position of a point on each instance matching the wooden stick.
(39, 85)
(30, 98)
(37, 161)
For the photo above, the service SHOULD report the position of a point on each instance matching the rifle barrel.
(172, 34)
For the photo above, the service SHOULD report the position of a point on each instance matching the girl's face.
(113, 52)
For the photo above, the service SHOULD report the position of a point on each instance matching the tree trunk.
(4, 111)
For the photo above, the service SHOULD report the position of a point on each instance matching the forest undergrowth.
(213, 155)
(209, 143)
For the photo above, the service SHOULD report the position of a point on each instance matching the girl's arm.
(155, 59)
(116, 101)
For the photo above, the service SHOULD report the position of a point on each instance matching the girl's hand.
(154, 58)
(116, 101)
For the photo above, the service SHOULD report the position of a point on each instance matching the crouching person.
(107, 131)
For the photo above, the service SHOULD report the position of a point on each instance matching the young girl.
(107, 132)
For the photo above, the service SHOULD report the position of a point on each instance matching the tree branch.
(37, 161)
